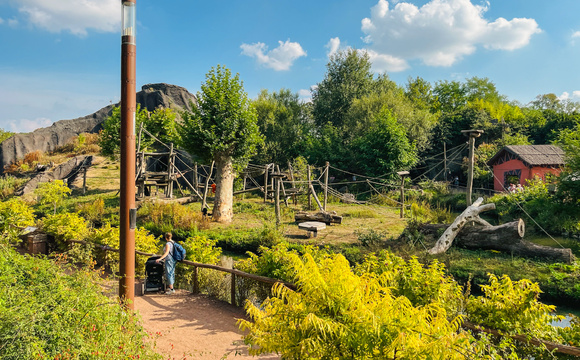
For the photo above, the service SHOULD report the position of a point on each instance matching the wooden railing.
(196, 265)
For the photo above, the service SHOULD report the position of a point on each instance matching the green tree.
(348, 77)
(450, 96)
(5, 135)
(420, 92)
(569, 181)
(417, 122)
(384, 149)
(53, 192)
(161, 123)
(223, 128)
(482, 88)
(284, 122)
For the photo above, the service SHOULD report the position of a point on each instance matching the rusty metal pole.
(128, 212)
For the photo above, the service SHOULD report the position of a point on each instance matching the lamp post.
(128, 108)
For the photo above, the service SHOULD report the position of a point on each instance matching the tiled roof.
(531, 155)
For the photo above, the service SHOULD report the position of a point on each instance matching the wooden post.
(292, 180)
(266, 182)
(445, 162)
(472, 135)
(272, 181)
(308, 191)
(170, 164)
(281, 185)
(277, 201)
(195, 281)
(203, 204)
(84, 180)
(244, 188)
(195, 177)
(402, 174)
(233, 290)
(326, 184)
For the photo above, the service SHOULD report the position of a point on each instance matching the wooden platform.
(312, 227)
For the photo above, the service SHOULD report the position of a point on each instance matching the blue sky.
(60, 59)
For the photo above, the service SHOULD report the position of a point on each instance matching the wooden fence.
(233, 272)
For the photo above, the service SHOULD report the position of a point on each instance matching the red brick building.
(515, 164)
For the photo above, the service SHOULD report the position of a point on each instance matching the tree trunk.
(470, 214)
(224, 192)
(325, 217)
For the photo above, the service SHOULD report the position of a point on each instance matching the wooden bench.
(312, 227)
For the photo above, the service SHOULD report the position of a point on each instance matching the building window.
(511, 177)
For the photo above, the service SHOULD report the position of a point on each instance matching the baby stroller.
(154, 275)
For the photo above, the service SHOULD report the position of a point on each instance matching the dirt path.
(194, 327)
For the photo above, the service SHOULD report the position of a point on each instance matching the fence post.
(326, 185)
(309, 198)
(266, 182)
(195, 281)
(233, 290)
(402, 174)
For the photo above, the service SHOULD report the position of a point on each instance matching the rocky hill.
(151, 96)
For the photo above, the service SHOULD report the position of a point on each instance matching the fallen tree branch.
(470, 214)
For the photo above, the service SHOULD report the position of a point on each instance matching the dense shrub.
(181, 220)
(45, 314)
(242, 240)
(513, 306)
(420, 284)
(65, 226)
(93, 211)
(15, 214)
(539, 208)
(339, 315)
(109, 235)
(392, 308)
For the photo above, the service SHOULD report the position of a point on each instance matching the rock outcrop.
(151, 96)
(69, 171)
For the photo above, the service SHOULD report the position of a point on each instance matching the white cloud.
(26, 125)
(576, 34)
(333, 46)
(380, 62)
(1, 21)
(280, 58)
(76, 17)
(305, 95)
(565, 96)
(384, 62)
(440, 32)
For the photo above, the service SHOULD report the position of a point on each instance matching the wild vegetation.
(366, 288)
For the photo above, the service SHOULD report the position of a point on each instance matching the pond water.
(574, 245)
(568, 313)
(556, 241)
